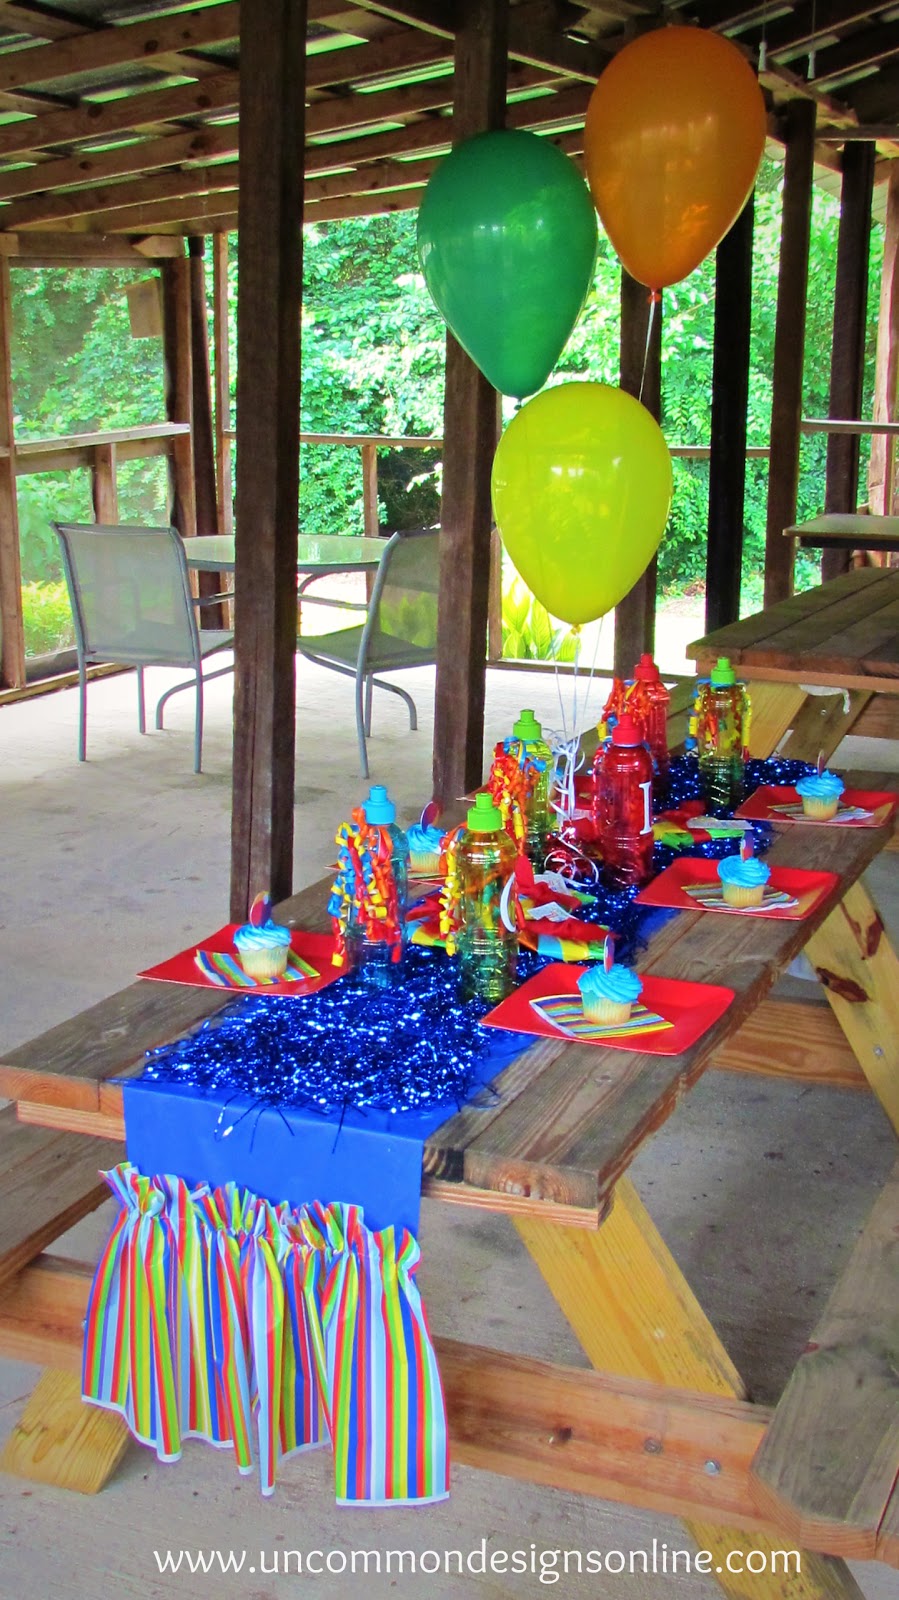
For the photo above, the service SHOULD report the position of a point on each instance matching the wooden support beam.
(789, 347)
(104, 489)
(636, 1316)
(270, 262)
(850, 323)
(859, 968)
(61, 1441)
(178, 365)
(471, 428)
(827, 1467)
(202, 440)
(882, 497)
(152, 42)
(38, 211)
(222, 344)
(641, 376)
(12, 628)
(730, 399)
(94, 119)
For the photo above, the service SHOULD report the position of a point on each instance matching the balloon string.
(565, 746)
(655, 299)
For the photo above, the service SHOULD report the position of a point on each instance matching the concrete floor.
(759, 1187)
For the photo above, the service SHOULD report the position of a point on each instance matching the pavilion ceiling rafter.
(107, 140)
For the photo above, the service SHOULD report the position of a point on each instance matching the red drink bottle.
(653, 699)
(623, 806)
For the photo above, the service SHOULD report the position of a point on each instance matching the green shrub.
(528, 632)
(48, 618)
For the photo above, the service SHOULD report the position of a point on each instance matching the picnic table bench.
(663, 1421)
(842, 636)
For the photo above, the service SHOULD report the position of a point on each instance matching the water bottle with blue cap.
(376, 947)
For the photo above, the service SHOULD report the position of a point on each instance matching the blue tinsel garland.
(415, 1046)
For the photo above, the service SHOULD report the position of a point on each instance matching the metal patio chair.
(132, 606)
(400, 628)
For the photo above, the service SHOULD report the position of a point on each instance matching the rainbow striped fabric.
(215, 1315)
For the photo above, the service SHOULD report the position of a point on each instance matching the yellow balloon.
(581, 489)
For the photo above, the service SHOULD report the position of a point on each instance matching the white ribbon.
(568, 758)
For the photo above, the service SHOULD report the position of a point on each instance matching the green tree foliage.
(373, 356)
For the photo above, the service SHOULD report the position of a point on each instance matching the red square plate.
(316, 949)
(782, 804)
(670, 889)
(688, 1009)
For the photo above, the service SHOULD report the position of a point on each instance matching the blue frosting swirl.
(424, 841)
(746, 874)
(270, 936)
(821, 786)
(620, 983)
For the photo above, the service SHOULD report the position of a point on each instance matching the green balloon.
(507, 243)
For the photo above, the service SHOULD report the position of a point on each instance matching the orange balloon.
(674, 135)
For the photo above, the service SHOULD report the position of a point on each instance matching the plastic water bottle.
(622, 806)
(378, 961)
(649, 700)
(487, 949)
(720, 726)
(527, 739)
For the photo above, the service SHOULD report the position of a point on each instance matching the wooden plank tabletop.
(844, 630)
(838, 530)
(568, 1119)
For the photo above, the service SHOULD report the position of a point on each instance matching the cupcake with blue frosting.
(743, 877)
(262, 944)
(609, 991)
(425, 848)
(820, 795)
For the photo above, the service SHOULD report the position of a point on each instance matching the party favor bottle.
(375, 941)
(649, 700)
(527, 734)
(721, 716)
(623, 805)
(487, 949)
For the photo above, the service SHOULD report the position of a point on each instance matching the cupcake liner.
(736, 894)
(271, 963)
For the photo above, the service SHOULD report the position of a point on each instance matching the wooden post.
(641, 375)
(177, 357)
(882, 497)
(730, 399)
(12, 630)
(495, 600)
(471, 428)
(371, 523)
(103, 484)
(220, 326)
(850, 317)
(789, 347)
(270, 260)
(201, 430)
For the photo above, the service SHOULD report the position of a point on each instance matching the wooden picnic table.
(663, 1421)
(846, 530)
(842, 636)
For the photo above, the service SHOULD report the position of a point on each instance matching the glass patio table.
(329, 553)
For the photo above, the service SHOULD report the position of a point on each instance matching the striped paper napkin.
(226, 973)
(711, 897)
(566, 1012)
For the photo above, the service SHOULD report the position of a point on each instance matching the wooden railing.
(368, 445)
(101, 452)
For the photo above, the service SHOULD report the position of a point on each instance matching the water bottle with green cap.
(720, 727)
(487, 948)
(375, 946)
(529, 745)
